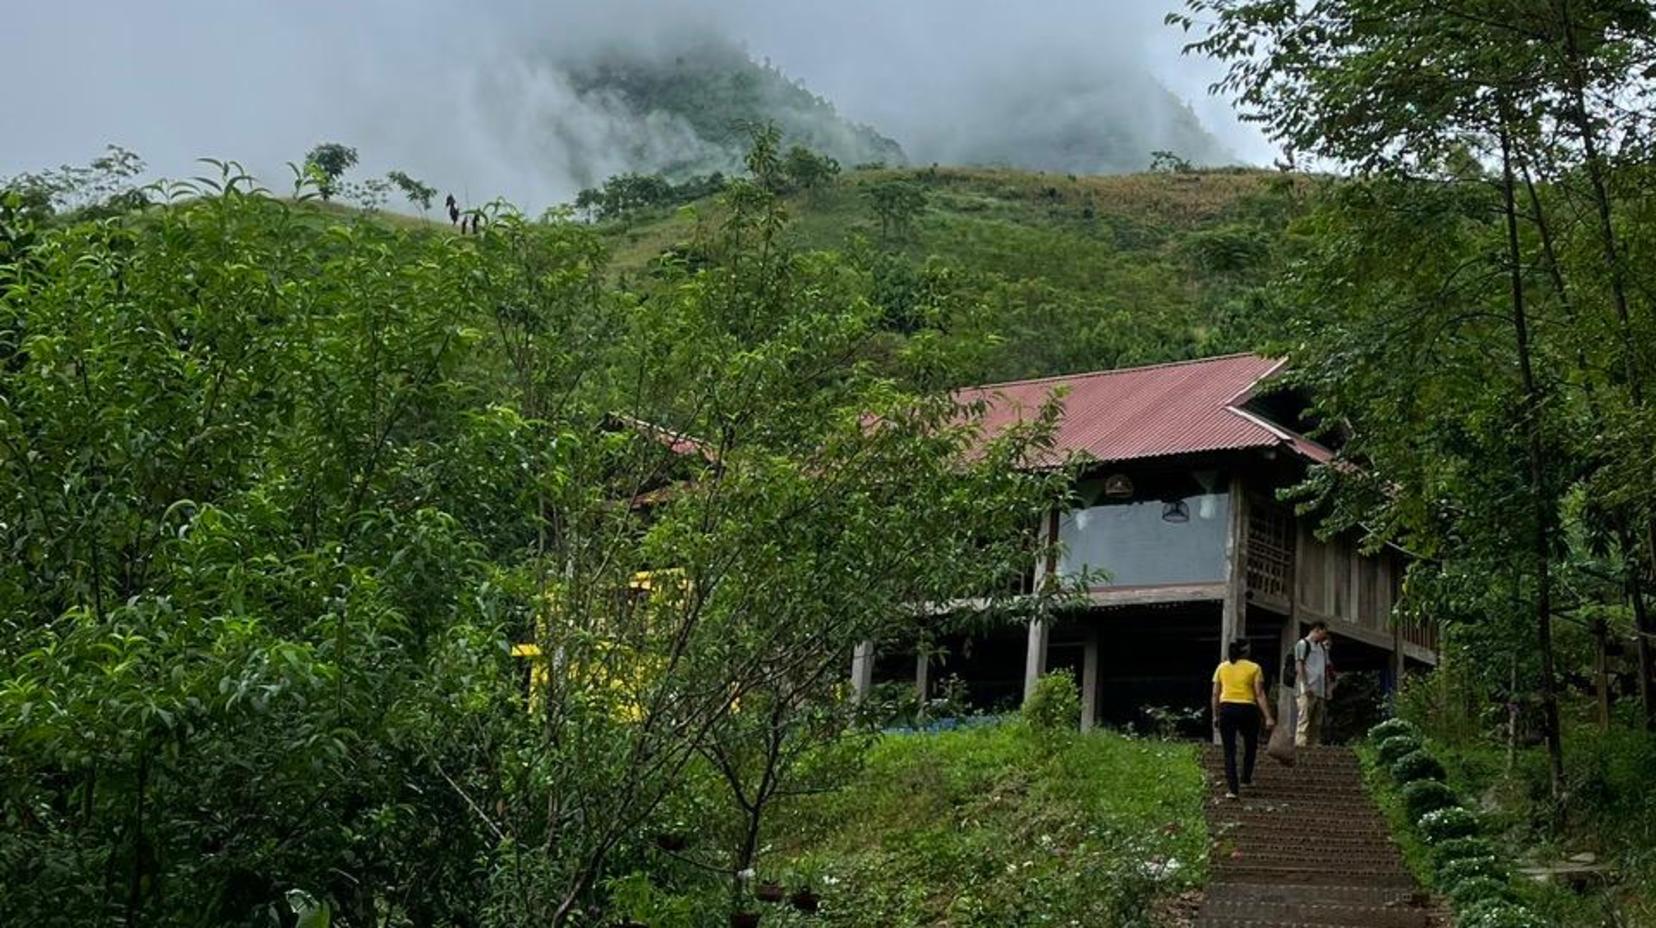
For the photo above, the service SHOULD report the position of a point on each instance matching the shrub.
(1392, 728)
(1055, 705)
(1456, 872)
(1460, 848)
(1423, 796)
(1418, 765)
(1479, 889)
(1498, 913)
(1447, 824)
(1395, 747)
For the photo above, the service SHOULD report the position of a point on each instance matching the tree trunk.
(1610, 246)
(1536, 452)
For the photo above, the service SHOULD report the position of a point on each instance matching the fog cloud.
(475, 98)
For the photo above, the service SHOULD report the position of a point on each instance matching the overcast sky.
(456, 92)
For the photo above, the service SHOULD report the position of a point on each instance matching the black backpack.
(1290, 662)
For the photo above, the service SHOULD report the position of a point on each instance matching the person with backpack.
(1313, 677)
(1238, 703)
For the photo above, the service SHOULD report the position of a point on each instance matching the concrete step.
(1305, 847)
(1338, 894)
(1313, 876)
(1312, 913)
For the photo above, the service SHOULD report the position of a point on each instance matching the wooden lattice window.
(1270, 549)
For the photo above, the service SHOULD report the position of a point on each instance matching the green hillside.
(1065, 272)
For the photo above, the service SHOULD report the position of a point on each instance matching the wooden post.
(862, 670)
(1397, 658)
(1035, 657)
(1233, 621)
(922, 676)
(1089, 680)
(1290, 626)
(1233, 610)
(1601, 671)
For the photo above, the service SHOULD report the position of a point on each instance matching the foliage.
(1169, 162)
(989, 826)
(1461, 869)
(1610, 813)
(897, 204)
(806, 170)
(104, 187)
(1448, 824)
(1423, 796)
(625, 195)
(708, 94)
(1032, 275)
(1055, 704)
(326, 164)
(1393, 728)
(1392, 749)
(418, 193)
(1498, 913)
(1450, 850)
(1476, 889)
(283, 492)
(1417, 765)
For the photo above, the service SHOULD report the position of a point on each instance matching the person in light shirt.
(1315, 684)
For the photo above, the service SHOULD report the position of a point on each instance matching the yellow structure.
(645, 588)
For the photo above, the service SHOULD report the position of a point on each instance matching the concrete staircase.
(1305, 846)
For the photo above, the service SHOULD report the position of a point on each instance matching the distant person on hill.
(454, 211)
(1314, 676)
(448, 203)
(1238, 704)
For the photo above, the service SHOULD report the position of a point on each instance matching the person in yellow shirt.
(1238, 703)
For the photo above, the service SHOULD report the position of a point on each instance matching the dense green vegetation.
(1002, 825)
(1506, 784)
(284, 484)
(281, 491)
(1475, 305)
(1043, 273)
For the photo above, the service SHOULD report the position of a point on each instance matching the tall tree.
(1429, 94)
(326, 164)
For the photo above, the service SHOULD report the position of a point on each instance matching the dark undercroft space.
(1155, 664)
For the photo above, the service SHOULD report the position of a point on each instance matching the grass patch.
(997, 826)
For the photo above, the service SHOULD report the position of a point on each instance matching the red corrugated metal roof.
(1186, 407)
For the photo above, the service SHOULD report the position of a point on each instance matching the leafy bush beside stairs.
(1456, 860)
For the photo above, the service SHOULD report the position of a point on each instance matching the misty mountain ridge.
(712, 92)
(693, 101)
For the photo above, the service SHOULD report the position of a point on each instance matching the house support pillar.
(1233, 616)
(1396, 657)
(1285, 643)
(1089, 681)
(1036, 657)
(1233, 612)
(862, 670)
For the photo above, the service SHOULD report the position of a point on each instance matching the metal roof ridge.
(1129, 370)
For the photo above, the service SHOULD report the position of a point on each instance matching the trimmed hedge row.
(1465, 866)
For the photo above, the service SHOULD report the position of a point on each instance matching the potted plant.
(744, 919)
(770, 891)
(807, 876)
(672, 838)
